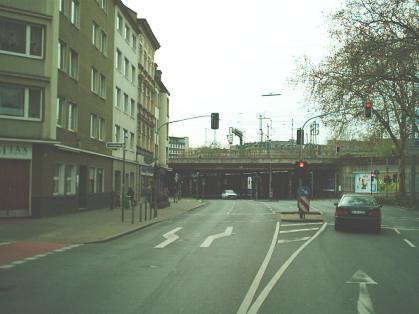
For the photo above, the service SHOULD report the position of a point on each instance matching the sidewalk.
(87, 227)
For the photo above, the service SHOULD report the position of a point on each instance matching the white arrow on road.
(208, 240)
(364, 304)
(170, 237)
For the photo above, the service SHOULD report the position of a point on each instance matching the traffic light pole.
(302, 131)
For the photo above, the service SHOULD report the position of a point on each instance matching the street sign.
(114, 145)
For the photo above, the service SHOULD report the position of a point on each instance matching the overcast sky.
(222, 55)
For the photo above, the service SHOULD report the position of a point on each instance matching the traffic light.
(300, 136)
(215, 120)
(368, 109)
(373, 176)
(301, 165)
(337, 148)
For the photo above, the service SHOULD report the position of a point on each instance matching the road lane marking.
(256, 281)
(208, 241)
(396, 231)
(409, 243)
(231, 209)
(271, 284)
(301, 224)
(298, 230)
(170, 237)
(37, 256)
(364, 304)
(4, 243)
(293, 240)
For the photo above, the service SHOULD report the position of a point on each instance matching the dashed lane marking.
(38, 256)
(409, 243)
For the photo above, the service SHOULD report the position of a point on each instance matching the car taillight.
(340, 211)
(375, 213)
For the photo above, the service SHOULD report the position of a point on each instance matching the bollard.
(145, 211)
(132, 211)
(151, 208)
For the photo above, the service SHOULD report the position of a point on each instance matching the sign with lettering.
(9, 150)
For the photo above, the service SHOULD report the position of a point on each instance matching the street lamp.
(269, 147)
(123, 174)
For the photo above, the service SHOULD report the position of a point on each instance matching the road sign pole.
(123, 181)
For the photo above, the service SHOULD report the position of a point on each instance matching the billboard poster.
(363, 183)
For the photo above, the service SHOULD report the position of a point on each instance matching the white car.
(228, 194)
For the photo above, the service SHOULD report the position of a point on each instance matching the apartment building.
(147, 46)
(125, 101)
(162, 140)
(177, 146)
(28, 92)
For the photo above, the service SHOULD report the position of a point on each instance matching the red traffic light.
(301, 164)
(368, 105)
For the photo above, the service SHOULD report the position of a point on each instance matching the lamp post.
(269, 147)
(123, 175)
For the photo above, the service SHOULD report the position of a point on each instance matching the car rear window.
(358, 201)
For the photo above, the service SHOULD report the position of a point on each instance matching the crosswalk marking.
(293, 240)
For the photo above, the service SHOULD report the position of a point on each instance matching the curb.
(319, 217)
(121, 234)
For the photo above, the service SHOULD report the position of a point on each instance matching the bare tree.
(374, 58)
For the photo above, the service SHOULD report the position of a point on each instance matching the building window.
(117, 133)
(73, 64)
(58, 179)
(59, 111)
(125, 136)
(101, 129)
(74, 17)
(119, 23)
(99, 180)
(134, 42)
(22, 39)
(104, 5)
(19, 101)
(118, 59)
(102, 86)
(94, 80)
(133, 74)
(72, 117)
(93, 126)
(92, 185)
(70, 179)
(125, 103)
(126, 33)
(126, 67)
(103, 42)
(61, 6)
(117, 97)
(61, 55)
(131, 141)
(95, 32)
(132, 109)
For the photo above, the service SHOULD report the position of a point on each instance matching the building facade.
(125, 99)
(177, 146)
(147, 46)
(28, 92)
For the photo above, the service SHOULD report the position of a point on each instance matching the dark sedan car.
(358, 210)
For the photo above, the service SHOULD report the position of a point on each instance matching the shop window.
(70, 178)
(58, 179)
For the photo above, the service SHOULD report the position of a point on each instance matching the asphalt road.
(229, 257)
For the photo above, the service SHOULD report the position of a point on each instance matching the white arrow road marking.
(271, 284)
(170, 236)
(364, 304)
(208, 240)
(293, 240)
(298, 230)
(409, 243)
